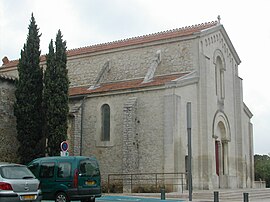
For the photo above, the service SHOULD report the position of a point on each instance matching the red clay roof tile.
(185, 31)
(124, 85)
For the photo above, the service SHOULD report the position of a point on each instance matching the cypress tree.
(28, 93)
(56, 86)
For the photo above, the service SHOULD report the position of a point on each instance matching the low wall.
(260, 184)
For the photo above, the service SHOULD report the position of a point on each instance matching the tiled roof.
(125, 85)
(184, 31)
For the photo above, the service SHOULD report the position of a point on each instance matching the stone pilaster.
(130, 141)
(75, 137)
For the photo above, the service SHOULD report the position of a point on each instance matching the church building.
(128, 106)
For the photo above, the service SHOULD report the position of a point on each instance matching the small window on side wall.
(105, 118)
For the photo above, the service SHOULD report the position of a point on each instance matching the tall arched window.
(105, 118)
(220, 87)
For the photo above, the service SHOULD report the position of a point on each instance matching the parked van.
(66, 178)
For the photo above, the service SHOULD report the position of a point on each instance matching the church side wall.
(188, 94)
(149, 131)
(248, 149)
(127, 63)
(132, 62)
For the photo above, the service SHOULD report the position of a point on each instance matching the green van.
(66, 178)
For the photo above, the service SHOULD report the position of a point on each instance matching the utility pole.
(189, 151)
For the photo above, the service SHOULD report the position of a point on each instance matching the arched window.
(105, 118)
(220, 86)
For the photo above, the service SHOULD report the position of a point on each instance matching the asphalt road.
(127, 199)
(132, 199)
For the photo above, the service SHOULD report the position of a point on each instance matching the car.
(17, 183)
(66, 178)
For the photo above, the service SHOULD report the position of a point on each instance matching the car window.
(47, 170)
(16, 172)
(89, 168)
(64, 170)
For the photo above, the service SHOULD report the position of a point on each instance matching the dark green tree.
(56, 86)
(28, 104)
(262, 168)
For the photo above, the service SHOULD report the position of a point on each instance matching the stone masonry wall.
(130, 138)
(148, 148)
(130, 142)
(75, 129)
(132, 63)
(8, 140)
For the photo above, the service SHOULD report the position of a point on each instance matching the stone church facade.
(128, 103)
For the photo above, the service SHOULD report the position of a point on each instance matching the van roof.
(63, 157)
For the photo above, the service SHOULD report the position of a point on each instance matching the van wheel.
(61, 197)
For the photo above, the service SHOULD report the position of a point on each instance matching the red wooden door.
(217, 158)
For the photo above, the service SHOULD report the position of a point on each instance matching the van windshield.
(89, 167)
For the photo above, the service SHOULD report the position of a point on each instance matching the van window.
(46, 170)
(34, 168)
(64, 170)
(89, 168)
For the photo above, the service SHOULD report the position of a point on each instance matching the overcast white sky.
(88, 22)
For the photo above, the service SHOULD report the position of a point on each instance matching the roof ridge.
(170, 31)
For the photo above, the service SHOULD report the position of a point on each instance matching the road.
(127, 199)
(132, 199)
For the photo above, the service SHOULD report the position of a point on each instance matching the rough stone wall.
(130, 142)
(8, 140)
(75, 129)
(132, 63)
(130, 137)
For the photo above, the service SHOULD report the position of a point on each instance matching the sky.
(89, 22)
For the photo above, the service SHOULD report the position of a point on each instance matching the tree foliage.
(28, 104)
(56, 95)
(262, 168)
